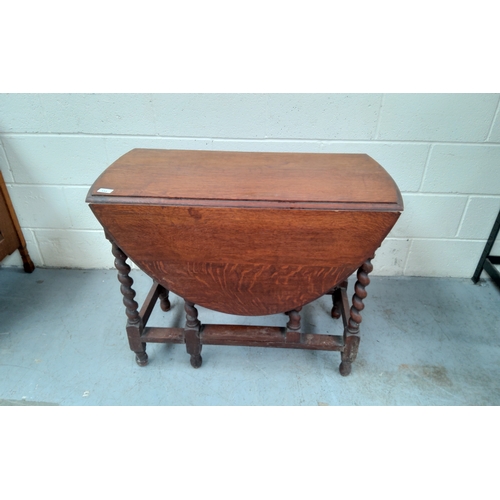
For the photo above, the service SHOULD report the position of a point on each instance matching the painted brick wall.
(443, 150)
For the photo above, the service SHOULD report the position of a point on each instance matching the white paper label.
(105, 190)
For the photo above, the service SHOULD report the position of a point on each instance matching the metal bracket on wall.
(487, 262)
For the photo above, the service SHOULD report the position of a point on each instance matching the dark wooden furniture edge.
(487, 261)
(140, 200)
(28, 265)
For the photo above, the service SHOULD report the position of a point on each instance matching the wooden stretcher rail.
(163, 335)
(240, 335)
(260, 336)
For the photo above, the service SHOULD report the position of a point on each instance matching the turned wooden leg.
(28, 265)
(293, 326)
(294, 321)
(164, 302)
(134, 322)
(351, 333)
(337, 300)
(192, 334)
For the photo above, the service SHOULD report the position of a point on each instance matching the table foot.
(196, 361)
(193, 347)
(28, 265)
(141, 358)
(349, 353)
(336, 300)
(164, 302)
(336, 294)
(345, 368)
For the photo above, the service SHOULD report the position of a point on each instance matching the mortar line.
(450, 239)
(268, 108)
(33, 232)
(33, 185)
(246, 139)
(9, 168)
(408, 256)
(43, 111)
(66, 229)
(463, 216)
(442, 193)
(155, 116)
(381, 105)
(424, 173)
(495, 116)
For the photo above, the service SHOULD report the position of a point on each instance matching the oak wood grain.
(245, 261)
(258, 177)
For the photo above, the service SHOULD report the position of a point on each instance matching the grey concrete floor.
(425, 341)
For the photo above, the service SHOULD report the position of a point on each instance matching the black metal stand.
(487, 262)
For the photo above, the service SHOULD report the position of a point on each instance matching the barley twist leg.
(351, 333)
(134, 321)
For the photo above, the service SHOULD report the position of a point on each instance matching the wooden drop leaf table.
(247, 234)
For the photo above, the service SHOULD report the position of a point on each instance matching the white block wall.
(443, 150)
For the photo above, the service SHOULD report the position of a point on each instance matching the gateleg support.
(337, 300)
(164, 302)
